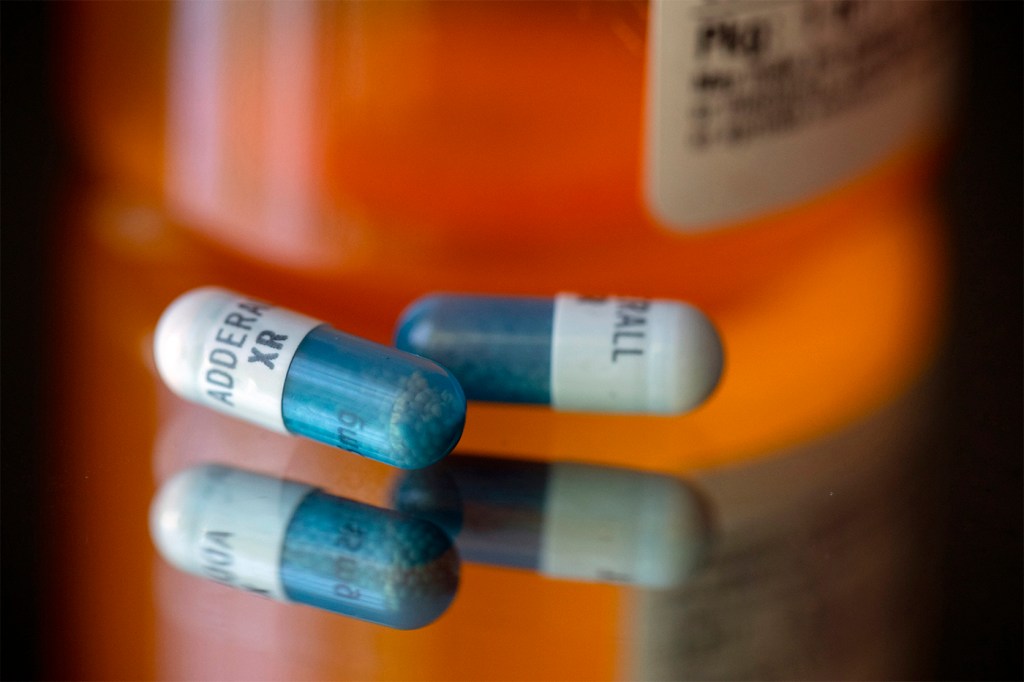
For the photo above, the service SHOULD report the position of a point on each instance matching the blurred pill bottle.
(770, 162)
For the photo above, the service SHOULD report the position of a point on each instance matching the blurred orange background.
(89, 264)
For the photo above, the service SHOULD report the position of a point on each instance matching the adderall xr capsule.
(572, 352)
(291, 542)
(293, 374)
(565, 520)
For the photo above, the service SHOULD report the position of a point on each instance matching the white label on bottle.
(754, 106)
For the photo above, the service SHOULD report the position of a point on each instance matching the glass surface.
(825, 527)
(346, 159)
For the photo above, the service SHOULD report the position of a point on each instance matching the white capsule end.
(617, 525)
(174, 523)
(181, 337)
(632, 356)
(686, 358)
(229, 352)
(673, 532)
(226, 524)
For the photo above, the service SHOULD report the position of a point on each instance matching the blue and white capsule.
(565, 520)
(294, 374)
(575, 353)
(291, 542)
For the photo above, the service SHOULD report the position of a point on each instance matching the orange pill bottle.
(769, 162)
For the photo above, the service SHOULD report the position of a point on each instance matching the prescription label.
(754, 106)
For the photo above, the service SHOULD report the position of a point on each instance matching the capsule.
(575, 353)
(293, 374)
(565, 520)
(291, 542)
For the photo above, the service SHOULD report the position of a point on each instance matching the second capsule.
(294, 374)
(616, 355)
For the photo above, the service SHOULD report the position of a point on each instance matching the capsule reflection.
(291, 542)
(565, 520)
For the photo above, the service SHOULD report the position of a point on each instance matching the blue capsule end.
(431, 494)
(499, 348)
(379, 402)
(495, 508)
(368, 563)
